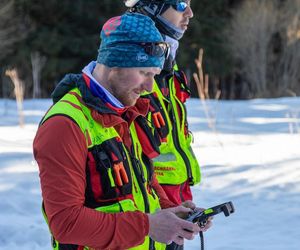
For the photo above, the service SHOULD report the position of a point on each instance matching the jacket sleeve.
(60, 150)
(163, 198)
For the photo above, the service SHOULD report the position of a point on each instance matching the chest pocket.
(108, 174)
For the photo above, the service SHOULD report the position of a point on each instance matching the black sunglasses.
(157, 49)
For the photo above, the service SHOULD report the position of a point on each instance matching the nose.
(148, 84)
(188, 12)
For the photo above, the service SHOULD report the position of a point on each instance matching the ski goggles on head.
(180, 6)
(157, 49)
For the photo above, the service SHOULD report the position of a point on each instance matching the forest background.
(251, 47)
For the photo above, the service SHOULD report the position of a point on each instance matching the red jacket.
(61, 156)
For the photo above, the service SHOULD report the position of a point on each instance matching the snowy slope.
(251, 156)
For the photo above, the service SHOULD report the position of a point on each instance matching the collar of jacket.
(106, 114)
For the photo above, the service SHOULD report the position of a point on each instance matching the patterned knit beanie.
(124, 39)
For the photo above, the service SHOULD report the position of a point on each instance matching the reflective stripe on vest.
(143, 198)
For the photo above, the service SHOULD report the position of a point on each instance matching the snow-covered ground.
(250, 156)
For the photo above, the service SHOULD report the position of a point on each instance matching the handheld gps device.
(201, 217)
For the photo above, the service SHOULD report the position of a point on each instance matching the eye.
(147, 74)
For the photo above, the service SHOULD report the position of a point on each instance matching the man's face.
(127, 84)
(179, 19)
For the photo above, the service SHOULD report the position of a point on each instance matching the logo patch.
(142, 57)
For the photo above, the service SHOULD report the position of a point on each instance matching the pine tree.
(66, 33)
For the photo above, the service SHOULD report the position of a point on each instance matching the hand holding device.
(201, 217)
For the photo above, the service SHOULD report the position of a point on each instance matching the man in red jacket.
(98, 186)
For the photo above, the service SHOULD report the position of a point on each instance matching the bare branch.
(19, 92)
(38, 62)
(249, 36)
